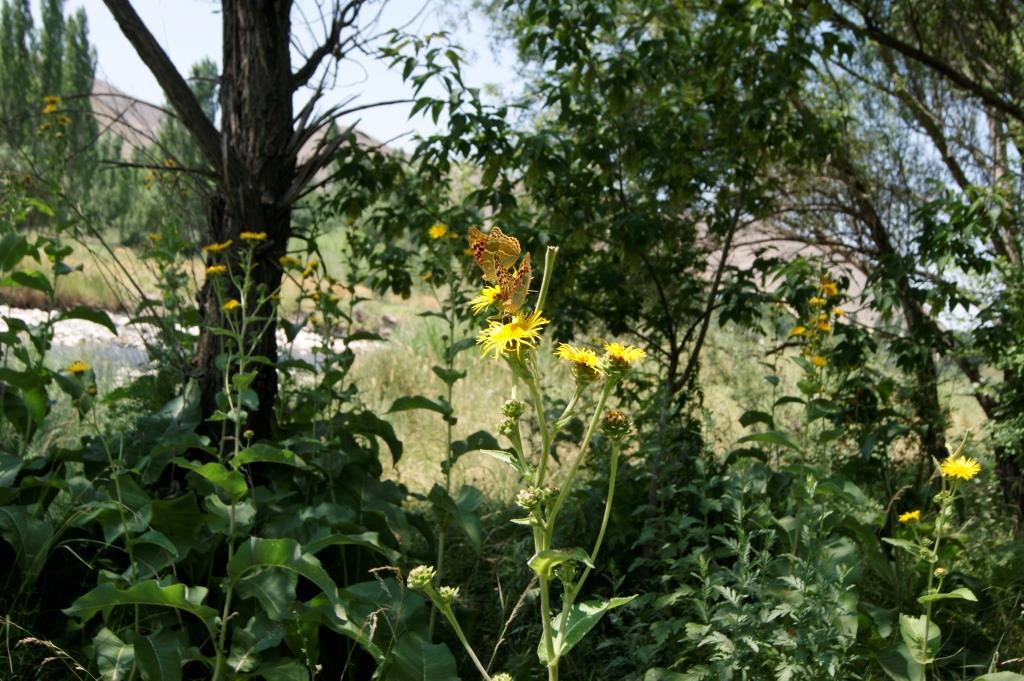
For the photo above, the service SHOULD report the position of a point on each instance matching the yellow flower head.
(63, 120)
(50, 104)
(585, 364)
(214, 270)
(288, 262)
(218, 247)
(154, 237)
(623, 355)
(522, 330)
(824, 326)
(838, 311)
(960, 467)
(310, 267)
(487, 297)
(829, 288)
(437, 230)
(797, 331)
(253, 236)
(231, 305)
(817, 301)
(818, 361)
(170, 163)
(909, 517)
(78, 368)
(426, 276)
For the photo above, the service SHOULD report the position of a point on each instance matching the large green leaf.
(258, 554)
(264, 453)
(232, 483)
(90, 315)
(367, 540)
(158, 657)
(582, 618)
(178, 596)
(414, 658)
(1001, 676)
(461, 510)
(114, 657)
(544, 562)
(409, 402)
(274, 588)
(30, 538)
(962, 593)
(912, 631)
(900, 665)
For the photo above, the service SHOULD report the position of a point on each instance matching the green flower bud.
(502, 677)
(507, 427)
(529, 498)
(421, 578)
(616, 424)
(448, 594)
(513, 409)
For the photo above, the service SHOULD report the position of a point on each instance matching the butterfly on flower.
(497, 253)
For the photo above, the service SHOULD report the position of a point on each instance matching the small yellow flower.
(218, 247)
(818, 361)
(214, 270)
(824, 326)
(586, 366)
(426, 276)
(310, 267)
(829, 287)
(961, 467)
(520, 331)
(487, 297)
(43, 127)
(275, 297)
(838, 311)
(288, 262)
(797, 331)
(170, 163)
(909, 517)
(253, 236)
(315, 320)
(50, 104)
(231, 305)
(63, 120)
(78, 368)
(623, 355)
(154, 237)
(817, 301)
(437, 230)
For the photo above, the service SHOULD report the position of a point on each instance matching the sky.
(189, 30)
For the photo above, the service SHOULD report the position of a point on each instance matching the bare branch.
(344, 17)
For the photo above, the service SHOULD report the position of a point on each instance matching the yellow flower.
(310, 267)
(797, 331)
(623, 355)
(315, 320)
(78, 368)
(838, 311)
(63, 120)
(253, 236)
(437, 230)
(575, 355)
(50, 104)
(217, 248)
(170, 163)
(154, 237)
(485, 299)
(288, 262)
(214, 270)
(824, 326)
(828, 287)
(818, 361)
(817, 301)
(909, 517)
(231, 305)
(961, 467)
(520, 331)
(426, 276)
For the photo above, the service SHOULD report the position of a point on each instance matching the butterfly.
(496, 254)
(493, 252)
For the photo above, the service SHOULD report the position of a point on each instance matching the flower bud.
(421, 578)
(513, 409)
(507, 427)
(940, 572)
(448, 594)
(502, 677)
(529, 498)
(616, 424)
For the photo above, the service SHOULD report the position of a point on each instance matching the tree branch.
(343, 18)
(174, 86)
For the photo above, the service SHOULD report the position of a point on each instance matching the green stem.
(446, 610)
(545, 615)
(549, 264)
(222, 637)
(538, 406)
(567, 485)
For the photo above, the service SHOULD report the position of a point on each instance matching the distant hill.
(138, 123)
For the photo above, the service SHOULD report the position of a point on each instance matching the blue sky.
(189, 30)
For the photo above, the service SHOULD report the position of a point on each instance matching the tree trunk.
(257, 126)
